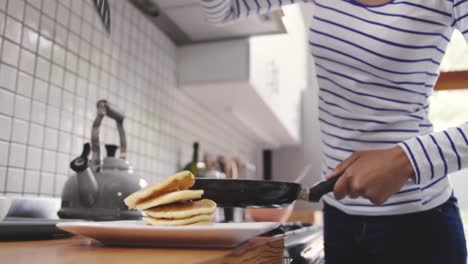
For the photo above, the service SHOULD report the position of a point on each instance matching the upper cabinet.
(222, 77)
(184, 22)
(255, 82)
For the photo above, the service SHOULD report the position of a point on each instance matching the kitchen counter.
(83, 250)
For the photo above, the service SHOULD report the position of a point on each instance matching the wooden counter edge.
(267, 250)
(257, 250)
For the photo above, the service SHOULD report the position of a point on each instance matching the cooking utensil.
(97, 189)
(254, 193)
(281, 214)
(102, 7)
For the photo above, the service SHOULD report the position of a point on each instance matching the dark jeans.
(433, 236)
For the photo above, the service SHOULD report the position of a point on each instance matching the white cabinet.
(256, 82)
(218, 75)
(184, 22)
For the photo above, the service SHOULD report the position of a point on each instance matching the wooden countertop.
(81, 250)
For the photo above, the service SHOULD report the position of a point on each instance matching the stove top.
(303, 243)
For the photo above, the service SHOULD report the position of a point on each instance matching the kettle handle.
(103, 109)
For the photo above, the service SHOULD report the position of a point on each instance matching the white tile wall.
(34, 158)
(13, 30)
(36, 135)
(17, 155)
(38, 112)
(20, 131)
(40, 91)
(6, 102)
(3, 173)
(22, 107)
(3, 154)
(31, 182)
(15, 9)
(25, 83)
(11, 52)
(5, 124)
(7, 77)
(14, 180)
(57, 61)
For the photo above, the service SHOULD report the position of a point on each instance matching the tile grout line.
(43, 149)
(61, 109)
(14, 106)
(31, 100)
(47, 99)
(9, 140)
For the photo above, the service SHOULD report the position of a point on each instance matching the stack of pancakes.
(170, 202)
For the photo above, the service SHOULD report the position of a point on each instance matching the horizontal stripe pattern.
(441, 153)
(460, 16)
(376, 68)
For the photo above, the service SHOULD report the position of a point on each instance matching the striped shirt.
(376, 69)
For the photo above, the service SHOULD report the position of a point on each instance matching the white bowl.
(4, 207)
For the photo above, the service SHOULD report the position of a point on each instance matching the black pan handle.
(319, 190)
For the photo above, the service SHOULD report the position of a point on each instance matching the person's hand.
(375, 174)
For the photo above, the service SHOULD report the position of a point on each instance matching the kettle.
(98, 187)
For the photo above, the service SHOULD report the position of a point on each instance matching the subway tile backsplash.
(57, 61)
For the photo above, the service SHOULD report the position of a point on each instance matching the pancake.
(169, 198)
(180, 181)
(198, 219)
(169, 203)
(182, 210)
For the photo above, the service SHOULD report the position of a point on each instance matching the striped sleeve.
(224, 11)
(460, 16)
(435, 155)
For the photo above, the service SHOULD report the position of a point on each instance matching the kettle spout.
(87, 185)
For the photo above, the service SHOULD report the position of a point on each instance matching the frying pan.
(254, 193)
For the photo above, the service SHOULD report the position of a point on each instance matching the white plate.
(136, 233)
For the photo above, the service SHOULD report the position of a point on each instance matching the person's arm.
(435, 155)
(378, 174)
(224, 11)
(460, 16)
